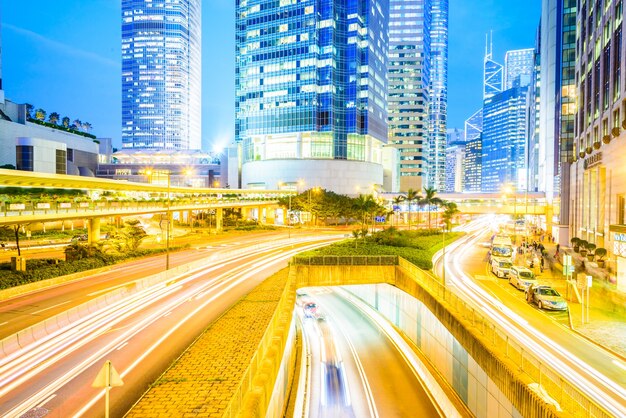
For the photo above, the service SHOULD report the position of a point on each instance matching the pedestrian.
(558, 247)
(542, 263)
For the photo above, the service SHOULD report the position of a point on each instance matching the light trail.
(602, 390)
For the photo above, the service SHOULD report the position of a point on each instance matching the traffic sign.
(107, 377)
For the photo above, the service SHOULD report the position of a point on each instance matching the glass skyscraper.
(504, 139)
(437, 126)
(518, 67)
(472, 157)
(409, 83)
(161, 74)
(493, 77)
(311, 86)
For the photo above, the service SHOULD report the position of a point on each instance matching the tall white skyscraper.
(161, 74)
(518, 67)
(493, 77)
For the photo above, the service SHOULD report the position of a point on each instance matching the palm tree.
(65, 122)
(430, 199)
(40, 114)
(54, 118)
(449, 213)
(29, 110)
(86, 127)
(397, 201)
(77, 124)
(411, 196)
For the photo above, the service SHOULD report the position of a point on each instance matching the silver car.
(521, 278)
(545, 297)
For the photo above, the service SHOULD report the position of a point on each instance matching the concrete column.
(259, 214)
(299, 146)
(270, 215)
(219, 220)
(93, 230)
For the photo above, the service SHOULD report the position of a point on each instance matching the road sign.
(107, 377)
(380, 219)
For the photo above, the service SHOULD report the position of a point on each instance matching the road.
(347, 376)
(20, 312)
(596, 372)
(141, 335)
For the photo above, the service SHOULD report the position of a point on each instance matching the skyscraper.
(518, 67)
(504, 140)
(438, 101)
(472, 157)
(455, 154)
(161, 74)
(409, 84)
(311, 93)
(492, 75)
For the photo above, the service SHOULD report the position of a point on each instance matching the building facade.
(518, 67)
(504, 141)
(597, 206)
(438, 95)
(161, 74)
(455, 156)
(473, 154)
(534, 121)
(409, 83)
(493, 73)
(311, 93)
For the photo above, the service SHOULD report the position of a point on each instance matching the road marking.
(46, 401)
(619, 364)
(4, 323)
(166, 314)
(51, 307)
(124, 344)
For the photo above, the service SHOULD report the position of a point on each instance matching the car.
(81, 237)
(521, 277)
(501, 266)
(310, 309)
(546, 297)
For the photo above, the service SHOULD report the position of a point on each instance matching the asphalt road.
(140, 335)
(356, 370)
(545, 334)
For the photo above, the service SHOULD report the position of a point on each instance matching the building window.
(61, 161)
(24, 157)
(621, 202)
(70, 154)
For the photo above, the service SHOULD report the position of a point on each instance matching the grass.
(418, 247)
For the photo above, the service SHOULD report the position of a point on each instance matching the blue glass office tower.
(504, 140)
(409, 84)
(161, 74)
(493, 77)
(311, 91)
(472, 158)
(438, 102)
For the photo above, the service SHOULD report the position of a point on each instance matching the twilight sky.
(64, 56)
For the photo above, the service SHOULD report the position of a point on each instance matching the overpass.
(111, 198)
(520, 203)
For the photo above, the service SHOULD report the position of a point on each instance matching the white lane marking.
(371, 404)
(51, 307)
(166, 314)
(124, 344)
(4, 323)
(51, 397)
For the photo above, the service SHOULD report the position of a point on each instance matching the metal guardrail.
(571, 399)
(347, 260)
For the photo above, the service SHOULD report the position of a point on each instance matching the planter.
(576, 248)
(590, 256)
(600, 263)
(583, 252)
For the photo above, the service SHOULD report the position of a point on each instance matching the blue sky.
(64, 56)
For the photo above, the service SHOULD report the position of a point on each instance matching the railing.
(54, 207)
(571, 399)
(349, 260)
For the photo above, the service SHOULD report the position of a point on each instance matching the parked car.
(521, 277)
(545, 297)
(501, 266)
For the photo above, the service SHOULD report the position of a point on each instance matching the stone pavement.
(607, 313)
(202, 381)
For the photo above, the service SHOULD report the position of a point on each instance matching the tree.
(430, 199)
(29, 110)
(65, 122)
(15, 230)
(76, 124)
(411, 196)
(450, 211)
(40, 114)
(129, 237)
(54, 118)
(86, 127)
(397, 201)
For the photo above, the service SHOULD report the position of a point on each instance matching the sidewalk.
(607, 311)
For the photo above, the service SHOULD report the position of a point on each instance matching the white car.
(501, 266)
(521, 277)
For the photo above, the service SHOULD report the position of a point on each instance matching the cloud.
(61, 47)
